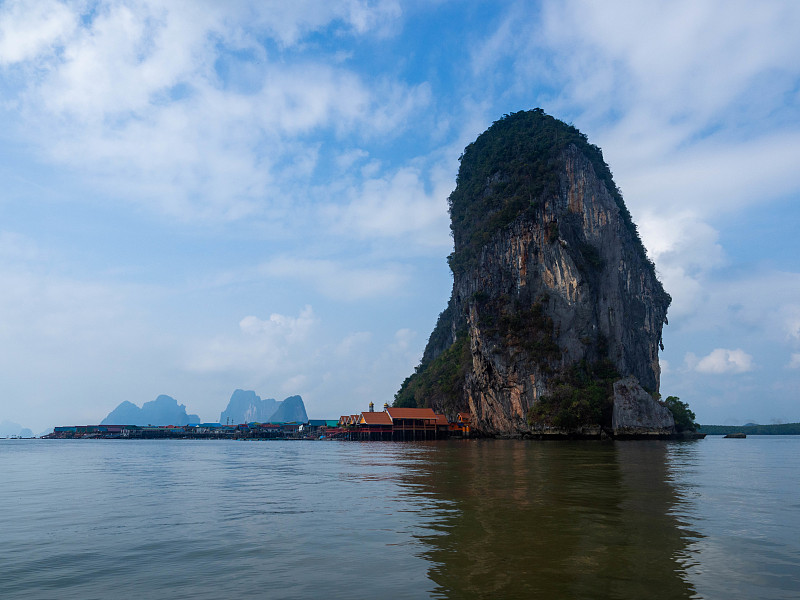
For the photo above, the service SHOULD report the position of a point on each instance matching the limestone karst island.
(554, 323)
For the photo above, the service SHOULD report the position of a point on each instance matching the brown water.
(557, 521)
(474, 519)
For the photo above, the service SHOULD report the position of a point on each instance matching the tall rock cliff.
(554, 298)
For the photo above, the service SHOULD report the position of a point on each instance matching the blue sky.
(203, 196)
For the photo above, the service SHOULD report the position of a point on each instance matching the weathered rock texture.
(553, 294)
(637, 414)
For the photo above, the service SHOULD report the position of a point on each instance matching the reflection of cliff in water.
(567, 520)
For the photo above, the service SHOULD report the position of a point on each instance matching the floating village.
(391, 424)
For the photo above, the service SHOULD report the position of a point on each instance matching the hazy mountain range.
(9, 428)
(164, 410)
(245, 406)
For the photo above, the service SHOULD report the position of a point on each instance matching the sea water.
(713, 518)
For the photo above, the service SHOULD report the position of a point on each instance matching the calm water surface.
(712, 518)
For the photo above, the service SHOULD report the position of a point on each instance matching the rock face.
(164, 410)
(247, 407)
(553, 295)
(290, 410)
(637, 414)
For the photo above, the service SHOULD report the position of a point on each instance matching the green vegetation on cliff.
(509, 207)
(439, 382)
(522, 328)
(581, 395)
(509, 170)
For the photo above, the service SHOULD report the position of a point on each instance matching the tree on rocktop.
(683, 415)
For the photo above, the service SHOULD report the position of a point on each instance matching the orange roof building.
(411, 413)
(374, 418)
(395, 424)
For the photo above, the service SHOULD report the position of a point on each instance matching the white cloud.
(183, 108)
(721, 361)
(792, 321)
(336, 280)
(30, 28)
(679, 61)
(291, 329)
(347, 159)
(710, 177)
(288, 22)
(761, 303)
(685, 251)
(353, 342)
(265, 345)
(398, 205)
(403, 339)
(794, 361)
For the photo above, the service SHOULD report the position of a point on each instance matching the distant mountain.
(127, 413)
(247, 407)
(291, 409)
(9, 428)
(164, 410)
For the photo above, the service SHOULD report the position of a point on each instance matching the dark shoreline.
(402, 428)
(544, 437)
(776, 429)
(604, 436)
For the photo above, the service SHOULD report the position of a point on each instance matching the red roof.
(464, 417)
(411, 413)
(375, 418)
(441, 420)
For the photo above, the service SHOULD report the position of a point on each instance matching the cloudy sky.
(203, 196)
